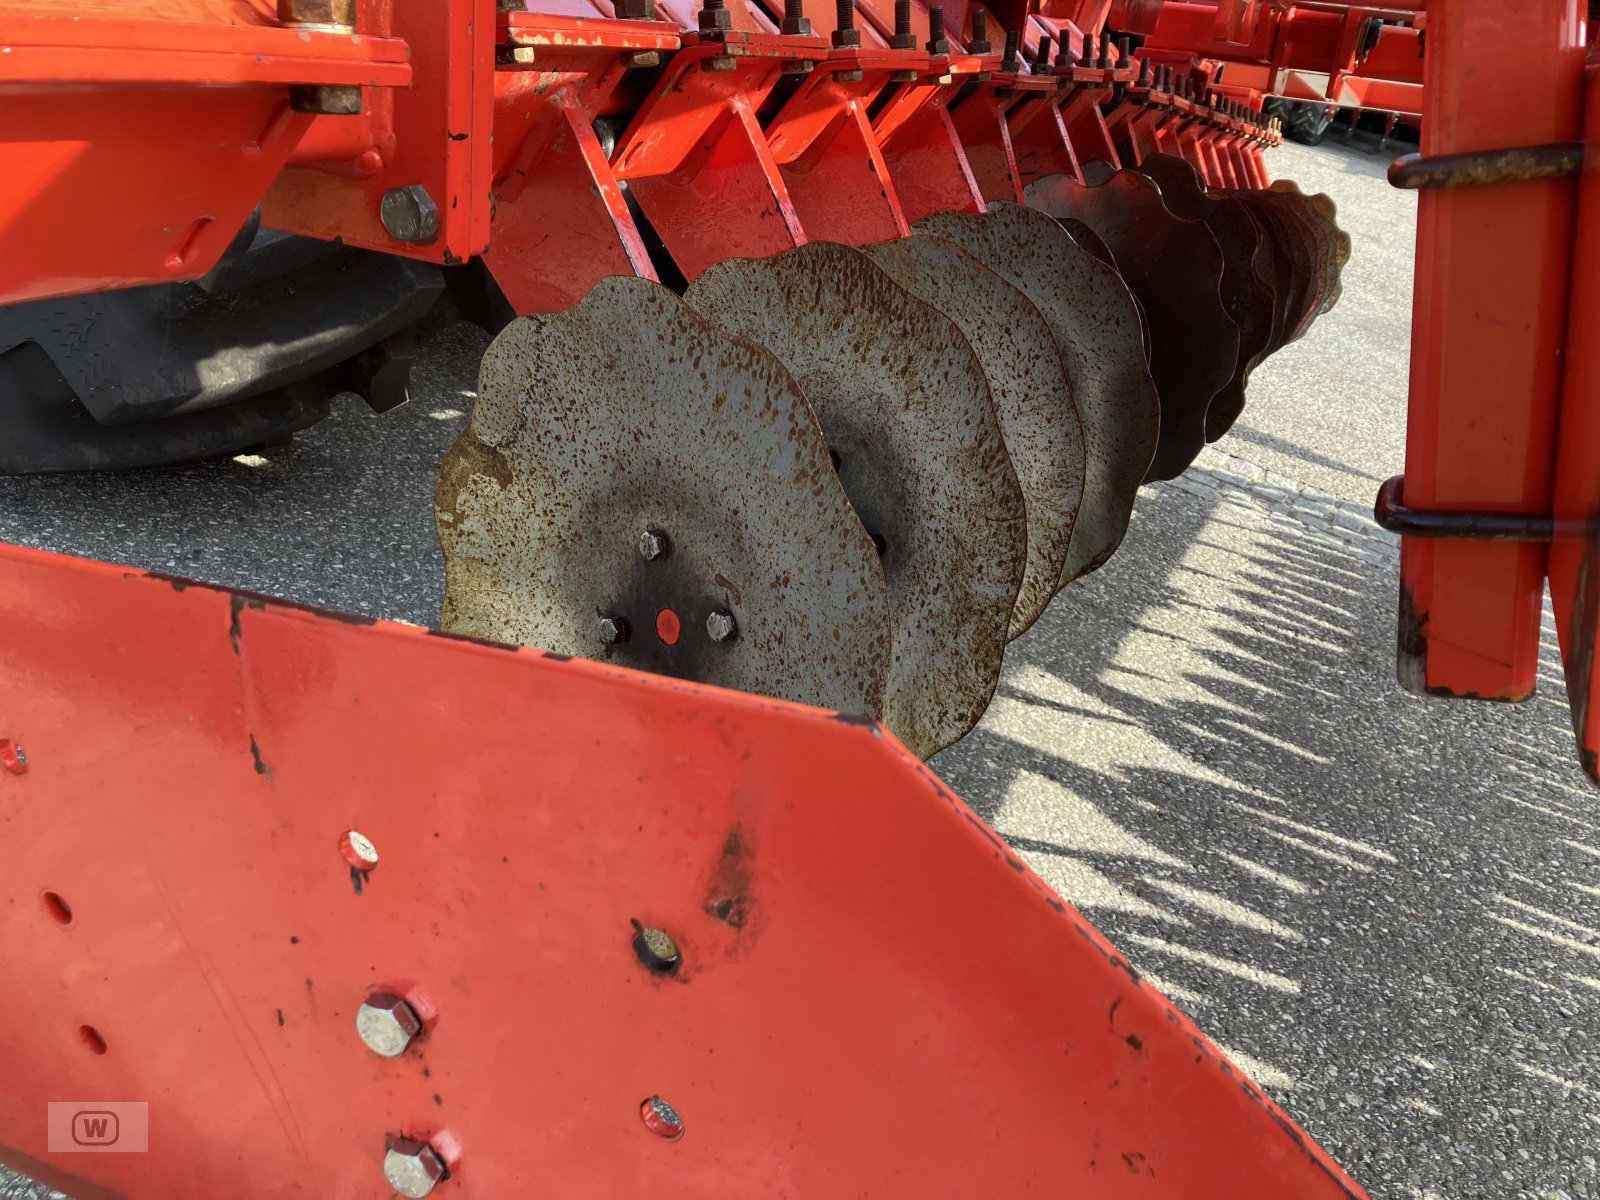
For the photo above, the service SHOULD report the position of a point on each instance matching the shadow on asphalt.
(1387, 909)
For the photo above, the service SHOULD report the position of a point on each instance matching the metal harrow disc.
(1028, 384)
(1095, 245)
(1326, 213)
(1174, 267)
(1302, 242)
(906, 410)
(1095, 321)
(639, 486)
(1246, 295)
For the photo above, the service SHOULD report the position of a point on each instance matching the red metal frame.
(931, 1022)
(1489, 324)
(1575, 567)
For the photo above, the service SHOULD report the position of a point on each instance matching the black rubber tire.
(1308, 123)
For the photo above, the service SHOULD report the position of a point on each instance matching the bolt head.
(412, 1168)
(358, 850)
(661, 1119)
(720, 626)
(12, 758)
(613, 631)
(387, 1024)
(410, 215)
(655, 948)
(653, 544)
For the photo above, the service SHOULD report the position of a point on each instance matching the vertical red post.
(1490, 318)
(1575, 567)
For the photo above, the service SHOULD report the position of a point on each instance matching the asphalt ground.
(1386, 909)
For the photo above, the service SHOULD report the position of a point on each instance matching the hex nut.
(654, 544)
(410, 215)
(386, 1023)
(720, 626)
(412, 1168)
(613, 631)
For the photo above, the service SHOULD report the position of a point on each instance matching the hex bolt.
(1146, 75)
(795, 21)
(358, 850)
(654, 544)
(661, 1119)
(715, 17)
(1012, 62)
(720, 626)
(903, 38)
(1064, 57)
(844, 16)
(410, 215)
(12, 758)
(937, 42)
(1041, 57)
(386, 1023)
(656, 949)
(1124, 51)
(979, 42)
(412, 1168)
(613, 631)
(1105, 50)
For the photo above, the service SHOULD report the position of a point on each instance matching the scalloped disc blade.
(1246, 295)
(1095, 321)
(905, 406)
(1028, 384)
(1174, 267)
(628, 423)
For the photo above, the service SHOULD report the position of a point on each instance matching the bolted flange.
(410, 215)
(412, 1167)
(386, 1023)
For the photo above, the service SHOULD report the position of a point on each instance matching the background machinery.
(830, 346)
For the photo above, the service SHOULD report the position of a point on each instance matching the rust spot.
(255, 755)
(729, 895)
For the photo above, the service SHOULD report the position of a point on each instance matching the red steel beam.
(1490, 320)
(1575, 567)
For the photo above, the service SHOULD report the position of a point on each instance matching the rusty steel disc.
(1095, 323)
(1325, 212)
(1028, 383)
(1304, 243)
(1174, 267)
(1095, 245)
(905, 406)
(639, 486)
(1246, 295)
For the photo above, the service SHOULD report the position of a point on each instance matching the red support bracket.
(561, 222)
(697, 160)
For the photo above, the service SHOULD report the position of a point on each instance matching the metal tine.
(1095, 322)
(1028, 384)
(905, 406)
(1174, 267)
(682, 556)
